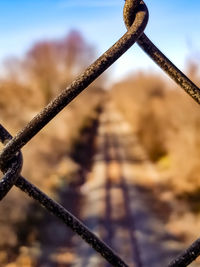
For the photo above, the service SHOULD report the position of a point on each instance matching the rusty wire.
(188, 256)
(136, 18)
(162, 61)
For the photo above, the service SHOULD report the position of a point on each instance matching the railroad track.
(115, 207)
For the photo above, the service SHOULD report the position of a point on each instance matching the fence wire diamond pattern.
(136, 19)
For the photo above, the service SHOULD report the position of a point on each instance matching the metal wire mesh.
(136, 18)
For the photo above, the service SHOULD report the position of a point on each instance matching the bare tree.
(74, 55)
(52, 65)
(42, 67)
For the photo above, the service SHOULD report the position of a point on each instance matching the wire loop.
(160, 59)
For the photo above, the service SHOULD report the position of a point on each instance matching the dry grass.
(167, 123)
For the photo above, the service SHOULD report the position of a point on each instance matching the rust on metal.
(160, 59)
(136, 18)
(188, 256)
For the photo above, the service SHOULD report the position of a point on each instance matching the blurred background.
(44, 46)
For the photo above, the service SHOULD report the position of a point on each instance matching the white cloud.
(88, 3)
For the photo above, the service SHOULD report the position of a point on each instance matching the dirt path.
(115, 207)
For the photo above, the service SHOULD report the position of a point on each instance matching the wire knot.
(131, 8)
(11, 168)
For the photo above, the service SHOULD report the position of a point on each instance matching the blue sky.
(174, 26)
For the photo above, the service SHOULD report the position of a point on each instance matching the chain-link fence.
(136, 18)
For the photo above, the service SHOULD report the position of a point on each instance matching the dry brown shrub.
(167, 122)
(141, 100)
